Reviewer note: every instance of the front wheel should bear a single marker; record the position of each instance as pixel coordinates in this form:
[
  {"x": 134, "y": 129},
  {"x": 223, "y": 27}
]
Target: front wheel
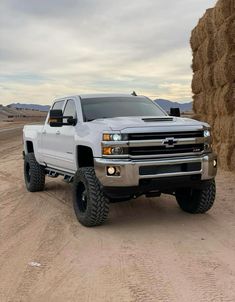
[
  {"x": 34, "y": 174},
  {"x": 197, "y": 201},
  {"x": 90, "y": 204}
]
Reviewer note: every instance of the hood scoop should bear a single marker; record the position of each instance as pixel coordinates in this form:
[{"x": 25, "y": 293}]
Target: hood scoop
[{"x": 157, "y": 119}]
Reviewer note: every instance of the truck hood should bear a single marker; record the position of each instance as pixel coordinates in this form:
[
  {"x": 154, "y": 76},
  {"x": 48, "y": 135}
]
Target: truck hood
[{"x": 155, "y": 123}]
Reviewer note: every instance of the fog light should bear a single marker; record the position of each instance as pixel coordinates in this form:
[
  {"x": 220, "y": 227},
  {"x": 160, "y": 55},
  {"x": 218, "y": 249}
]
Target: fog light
[
  {"x": 111, "y": 170},
  {"x": 215, "y": 163}
]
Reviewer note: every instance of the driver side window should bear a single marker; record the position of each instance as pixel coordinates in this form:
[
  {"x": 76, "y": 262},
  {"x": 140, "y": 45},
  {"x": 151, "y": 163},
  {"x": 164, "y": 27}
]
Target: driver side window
[
  {"x": 58, "y": 105},
  {"x": 70, "y": 109}
]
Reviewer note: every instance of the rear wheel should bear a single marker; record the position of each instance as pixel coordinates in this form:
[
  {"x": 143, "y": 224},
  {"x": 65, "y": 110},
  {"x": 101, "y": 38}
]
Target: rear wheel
[
  {"x": 90, "y": 204},
  {"x": 34, "y": 174},
  {"x": 197, "y": 201}
]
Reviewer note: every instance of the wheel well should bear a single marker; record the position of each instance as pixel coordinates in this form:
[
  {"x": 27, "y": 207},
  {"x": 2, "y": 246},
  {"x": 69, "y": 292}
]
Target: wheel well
[
  {"x": 29, "y": 146},
  {"x": 85, "y": 156}
]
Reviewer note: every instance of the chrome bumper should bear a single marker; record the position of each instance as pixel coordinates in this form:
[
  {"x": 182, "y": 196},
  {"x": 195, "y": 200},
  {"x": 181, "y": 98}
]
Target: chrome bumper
[{"x": 130, "y": 175}]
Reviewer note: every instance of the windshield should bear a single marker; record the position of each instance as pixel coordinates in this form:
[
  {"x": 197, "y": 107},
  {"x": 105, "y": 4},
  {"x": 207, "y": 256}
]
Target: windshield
[{"x": 108, "y": 107}]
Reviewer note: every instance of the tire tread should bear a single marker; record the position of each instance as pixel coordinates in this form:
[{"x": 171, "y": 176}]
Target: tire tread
[
  {"x": 37, "y": 180},
  {"x": 197, "y": 201},
  {"x": 99, "y": 205}
]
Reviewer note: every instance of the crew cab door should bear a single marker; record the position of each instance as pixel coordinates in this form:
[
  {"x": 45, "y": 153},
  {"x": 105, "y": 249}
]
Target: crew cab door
[
  {"x": 49, "y": 139},
  {"x": 58, "y": 143},
  {"x": 67, "y": 138}
]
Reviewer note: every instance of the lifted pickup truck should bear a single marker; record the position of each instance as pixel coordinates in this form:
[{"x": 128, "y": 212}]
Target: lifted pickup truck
[{"x": 118, "y": 147}]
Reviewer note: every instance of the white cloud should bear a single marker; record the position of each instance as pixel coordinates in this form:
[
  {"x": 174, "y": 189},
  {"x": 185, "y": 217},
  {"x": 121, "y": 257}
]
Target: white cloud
[{"x": 50, "y": 48}]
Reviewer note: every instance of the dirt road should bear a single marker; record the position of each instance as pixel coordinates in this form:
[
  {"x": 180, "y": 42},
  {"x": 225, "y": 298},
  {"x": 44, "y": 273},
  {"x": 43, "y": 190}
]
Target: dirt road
[{"x": 147, "y": 251}]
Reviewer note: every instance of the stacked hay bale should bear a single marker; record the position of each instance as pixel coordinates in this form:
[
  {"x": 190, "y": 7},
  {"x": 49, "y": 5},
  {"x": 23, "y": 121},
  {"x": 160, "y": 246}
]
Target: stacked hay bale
[{"x": 213, "y": 84}]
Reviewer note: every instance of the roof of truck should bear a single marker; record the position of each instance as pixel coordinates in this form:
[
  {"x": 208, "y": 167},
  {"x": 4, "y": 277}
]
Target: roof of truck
[
  {"x": 102, "y": 95},
  {"x": 97, "y": 95}
]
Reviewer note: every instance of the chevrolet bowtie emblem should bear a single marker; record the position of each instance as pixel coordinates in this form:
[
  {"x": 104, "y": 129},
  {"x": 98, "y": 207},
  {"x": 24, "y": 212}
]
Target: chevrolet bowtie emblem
[{"x": 169, "y": 142}]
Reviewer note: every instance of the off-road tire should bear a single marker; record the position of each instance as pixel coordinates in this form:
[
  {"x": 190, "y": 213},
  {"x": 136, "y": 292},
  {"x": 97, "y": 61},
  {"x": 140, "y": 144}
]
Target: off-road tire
[
  {"x": 197, "y": 201},
  {"x": 34, "y": 174},
  {"x": 91, "y": 206}
]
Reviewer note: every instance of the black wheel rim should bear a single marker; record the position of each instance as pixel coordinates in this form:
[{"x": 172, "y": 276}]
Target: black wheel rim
[
  {"x": 81, "y": 197},
  {"x": 28, "y": 172}
]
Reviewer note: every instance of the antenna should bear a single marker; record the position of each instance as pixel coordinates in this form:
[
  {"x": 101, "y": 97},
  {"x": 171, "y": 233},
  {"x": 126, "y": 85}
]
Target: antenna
[{"x": 134, "y": 93}]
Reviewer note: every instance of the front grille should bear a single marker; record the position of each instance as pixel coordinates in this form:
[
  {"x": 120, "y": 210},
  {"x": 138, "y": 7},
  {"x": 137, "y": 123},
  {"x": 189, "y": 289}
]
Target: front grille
[
  {"x": 154, "y": 170},
  {"x": 159, "y": 144},
  {"x": 161, "y": 135},
  {"x": 161, "y": 150}
]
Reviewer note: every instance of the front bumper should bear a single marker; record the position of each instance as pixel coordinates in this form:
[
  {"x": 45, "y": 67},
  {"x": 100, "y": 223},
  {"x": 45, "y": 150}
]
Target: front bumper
[{"x": 130, "y": 169}]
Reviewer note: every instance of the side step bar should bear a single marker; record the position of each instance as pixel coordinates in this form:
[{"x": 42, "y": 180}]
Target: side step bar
[{"x": 68, "y": 177}]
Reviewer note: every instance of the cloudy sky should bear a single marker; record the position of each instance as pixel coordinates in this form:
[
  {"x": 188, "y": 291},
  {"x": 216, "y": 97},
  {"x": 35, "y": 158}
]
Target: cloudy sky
[{"x": 50, "y": 48}]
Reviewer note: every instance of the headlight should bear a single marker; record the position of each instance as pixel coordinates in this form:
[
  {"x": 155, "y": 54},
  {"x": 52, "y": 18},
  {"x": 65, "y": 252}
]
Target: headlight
[
  {"x": 112, "y": 151},
  {"x": 117, "y": 150},
  {"x": 114, "y": 137},
  {"x": 117, "y": 137},
  {"x": 207, "y": 133}
]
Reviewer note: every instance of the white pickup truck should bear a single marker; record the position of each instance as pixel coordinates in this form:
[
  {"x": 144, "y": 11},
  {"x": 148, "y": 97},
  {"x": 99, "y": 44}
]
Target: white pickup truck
[{"x": 118, "y": 147}]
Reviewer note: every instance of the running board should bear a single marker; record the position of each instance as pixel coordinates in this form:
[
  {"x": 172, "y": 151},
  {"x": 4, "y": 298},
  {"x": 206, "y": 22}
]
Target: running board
[{"x": 68, "y": 177}]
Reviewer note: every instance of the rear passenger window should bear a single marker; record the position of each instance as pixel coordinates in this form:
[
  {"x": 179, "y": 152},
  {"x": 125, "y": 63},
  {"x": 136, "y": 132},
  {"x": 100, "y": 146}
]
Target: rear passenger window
[
  {"x": 70, "y": 109},
  {"x": 58, "y": 105}
]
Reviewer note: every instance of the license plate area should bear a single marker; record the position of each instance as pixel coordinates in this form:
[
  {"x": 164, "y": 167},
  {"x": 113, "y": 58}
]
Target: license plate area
[{"x": 165, "y": 169}]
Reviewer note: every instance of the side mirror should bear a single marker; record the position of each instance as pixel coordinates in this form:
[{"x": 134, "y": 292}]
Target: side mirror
[
  {"x": 56, "y": 119},
  {"x": 175, "y": 112}
]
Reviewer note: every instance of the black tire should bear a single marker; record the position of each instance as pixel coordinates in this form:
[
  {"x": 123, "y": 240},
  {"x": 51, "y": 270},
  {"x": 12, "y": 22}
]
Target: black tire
[
  {"x": 91, "y": 206},
  {"x": 34, "y": 174},
  {"x": 197, "y": 201}
]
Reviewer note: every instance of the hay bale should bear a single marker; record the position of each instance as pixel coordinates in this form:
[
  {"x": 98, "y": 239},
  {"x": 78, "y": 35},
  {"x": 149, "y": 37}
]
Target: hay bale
[
  {"x": 232, "y": 159},
  {"x": 217, "y": 101},
  {"x": 224, "y": 70},
  {"x": 203, "y": 30},
  {"x": 213, "y": 84},
  {"x": 225, "y": 155},
  {"x": 224, "y": 101},
  {"x": 199, "y": 104},
  {"x": 223, "y": 10},
  {"x": 224, "y": 38},
  {"x": 210, "y": 99},
  {"x": 209, "y": 22},
  {"x": 196, "y": 66},
  {"x": 197, "y": 82},
  {"x": 204, "y": 55},
  {"x": 194, "y": 40},
  {"x": 207, "y": 78},
  {"x": 227, "y": 102},
  {"x": 224, "y": 129}
]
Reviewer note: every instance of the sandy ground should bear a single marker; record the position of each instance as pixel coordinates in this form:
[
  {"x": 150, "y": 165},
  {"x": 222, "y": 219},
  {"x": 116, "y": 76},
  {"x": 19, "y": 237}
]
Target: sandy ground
[{"x": 147, "y": 251}]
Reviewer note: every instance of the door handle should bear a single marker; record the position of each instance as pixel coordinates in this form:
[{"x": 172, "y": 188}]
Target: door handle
[
  {"x": 44, "y": 132},
  {"x": 57, "y": 132}
]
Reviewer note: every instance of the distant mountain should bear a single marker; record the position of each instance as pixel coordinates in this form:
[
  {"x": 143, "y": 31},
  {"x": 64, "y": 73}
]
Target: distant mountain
[
  {"x": 29, "y": 106},
  {"x": 166, "y": 105}
]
